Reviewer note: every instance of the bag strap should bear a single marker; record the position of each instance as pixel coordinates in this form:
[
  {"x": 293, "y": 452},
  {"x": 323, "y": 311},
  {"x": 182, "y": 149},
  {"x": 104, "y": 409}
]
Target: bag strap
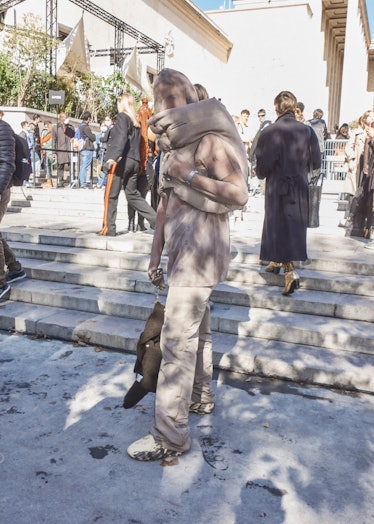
[{"x": 314, "y": 179}]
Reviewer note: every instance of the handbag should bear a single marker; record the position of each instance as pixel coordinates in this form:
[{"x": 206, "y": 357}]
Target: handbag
[
  {"x": 358, "y": 196},
  {"x": 148, "y": 358},
  {"x": 315, "y": 193}
]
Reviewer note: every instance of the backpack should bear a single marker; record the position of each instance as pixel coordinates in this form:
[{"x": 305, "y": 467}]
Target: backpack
[
  {"x": 22, "y": 172},
  {"x": 78, "y": 142}
]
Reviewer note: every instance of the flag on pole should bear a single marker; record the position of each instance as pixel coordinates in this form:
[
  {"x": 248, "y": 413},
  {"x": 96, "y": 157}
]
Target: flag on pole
[
  {"x": 72, "y": 53},
  {"x": 132, "y": 70}
]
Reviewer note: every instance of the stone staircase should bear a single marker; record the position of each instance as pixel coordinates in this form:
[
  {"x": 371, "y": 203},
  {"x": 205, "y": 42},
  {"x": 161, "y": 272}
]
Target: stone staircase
[{"x": 92, "y": 289}]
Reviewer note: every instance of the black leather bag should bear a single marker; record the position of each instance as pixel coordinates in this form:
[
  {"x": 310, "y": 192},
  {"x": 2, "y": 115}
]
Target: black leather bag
[
  {"x": 148, "y": 358},
  {"x": 356, "y": 200},
  {"x": 315, "y": 193}
]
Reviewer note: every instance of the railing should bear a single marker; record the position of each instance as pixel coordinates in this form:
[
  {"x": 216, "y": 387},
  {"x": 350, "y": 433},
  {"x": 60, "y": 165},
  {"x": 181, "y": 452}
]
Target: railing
[{"x": 334, "y": 166}]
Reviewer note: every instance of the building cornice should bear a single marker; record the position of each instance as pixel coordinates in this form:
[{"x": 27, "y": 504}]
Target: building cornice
[
  {"x": 365, "y": 21},
  {"x": 204, "y": 25}
]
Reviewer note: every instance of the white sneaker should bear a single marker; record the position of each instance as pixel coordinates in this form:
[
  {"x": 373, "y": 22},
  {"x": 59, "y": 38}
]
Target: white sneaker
[
  {"x": 146, "y": 449},
  {"x": 202, "y": 408},
  {"x": 4, "y": 292}
]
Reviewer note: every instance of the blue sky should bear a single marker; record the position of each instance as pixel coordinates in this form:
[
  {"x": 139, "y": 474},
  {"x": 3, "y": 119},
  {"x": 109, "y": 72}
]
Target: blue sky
[{"x": 206, "y": 5}]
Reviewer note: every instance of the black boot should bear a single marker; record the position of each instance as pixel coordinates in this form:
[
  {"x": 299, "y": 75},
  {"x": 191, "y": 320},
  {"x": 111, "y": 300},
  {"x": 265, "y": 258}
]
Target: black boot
[
  {"x": 141, "y": 226},
  {"x": 131, "y": 226}
]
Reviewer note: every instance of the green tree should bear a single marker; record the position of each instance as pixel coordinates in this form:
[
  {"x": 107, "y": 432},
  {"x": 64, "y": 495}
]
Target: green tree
[
  {"x": 25, "y": 81},
  {"x": 8, "y": 81},
  {"x": 27, "y": 48},
  {"x": 108, "y": 90}
]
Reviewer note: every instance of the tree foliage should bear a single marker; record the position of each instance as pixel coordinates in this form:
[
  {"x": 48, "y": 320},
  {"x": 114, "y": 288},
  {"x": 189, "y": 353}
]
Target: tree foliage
[
  {"x": 25, "y": 79},
  {"x": 8, "y": 81},
  {"x": 27, "y": 48}
]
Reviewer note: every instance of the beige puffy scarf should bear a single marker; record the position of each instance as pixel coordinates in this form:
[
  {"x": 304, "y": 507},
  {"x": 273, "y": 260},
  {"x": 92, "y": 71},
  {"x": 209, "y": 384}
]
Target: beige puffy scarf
[{"x": 182, "y": 128}]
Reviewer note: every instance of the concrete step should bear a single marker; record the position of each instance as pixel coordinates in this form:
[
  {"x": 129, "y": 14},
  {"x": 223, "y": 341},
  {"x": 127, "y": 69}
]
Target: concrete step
[
  {"x": 249, "y": 355},
  {"x": 139, "y": 242},
  {"x": 133, "y": 254},
  {"x": 95, "y": 289},
  {"x": 324, "y": 258},
  {"x": 285, "y": 323},
  {"x": 134, "y": 278},
  {"x": 94, "y": 212}
]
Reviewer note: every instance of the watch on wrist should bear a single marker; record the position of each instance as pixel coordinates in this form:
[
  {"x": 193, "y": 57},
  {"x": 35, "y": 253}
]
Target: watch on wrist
[{"x": 190, "y": 176}]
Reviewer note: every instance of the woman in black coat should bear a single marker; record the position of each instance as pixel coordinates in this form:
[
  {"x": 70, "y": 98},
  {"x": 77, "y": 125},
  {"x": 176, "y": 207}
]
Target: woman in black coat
[
  {"x": 285, "y": 152},
  {"x": 122, "y": 158}
]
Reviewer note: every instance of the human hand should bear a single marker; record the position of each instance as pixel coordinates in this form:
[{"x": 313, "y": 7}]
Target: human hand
[
  {"x": 107, "y": 165},
  {"x": 177, "y": 165},
  {"x": 156, "y": 276}
]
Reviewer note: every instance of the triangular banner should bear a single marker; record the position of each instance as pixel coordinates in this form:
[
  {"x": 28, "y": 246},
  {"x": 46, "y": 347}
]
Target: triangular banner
[
  {"x": 132, "y": 70},
  {"x": 72, "y": 53}
]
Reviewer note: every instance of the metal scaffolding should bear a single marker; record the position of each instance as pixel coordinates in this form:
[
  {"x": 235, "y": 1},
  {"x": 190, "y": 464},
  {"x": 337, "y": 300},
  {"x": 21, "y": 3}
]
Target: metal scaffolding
[
  {"x": 51, "y": 28},
  {"x": 118, "y": 52},
  {"x": 120, "y": 30},
  {"x": 7, "y": 4}
]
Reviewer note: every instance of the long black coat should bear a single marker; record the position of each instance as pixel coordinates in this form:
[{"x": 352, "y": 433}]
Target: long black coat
[
  {"x": 284, "y": 152},
  {"x": 7, "y": 155},
  {"x": 123, "y": 142}
]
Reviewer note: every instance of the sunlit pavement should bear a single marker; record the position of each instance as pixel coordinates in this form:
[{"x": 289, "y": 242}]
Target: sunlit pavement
[{"x": 271, "y": 452}]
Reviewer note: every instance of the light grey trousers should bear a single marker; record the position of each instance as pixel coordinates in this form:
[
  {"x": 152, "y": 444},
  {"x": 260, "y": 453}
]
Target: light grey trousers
[
  {"x": 7, "y": 257},
  {"x": 186, "y": 368}
]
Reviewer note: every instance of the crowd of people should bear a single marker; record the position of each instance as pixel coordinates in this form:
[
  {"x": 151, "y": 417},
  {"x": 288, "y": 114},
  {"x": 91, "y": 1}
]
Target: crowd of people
[
  {"x": 204, "y": 160},
  {"x": 352, "y": 145},
  {"x": 56, "y": 148},
  {"x": 51, "y": 148}
]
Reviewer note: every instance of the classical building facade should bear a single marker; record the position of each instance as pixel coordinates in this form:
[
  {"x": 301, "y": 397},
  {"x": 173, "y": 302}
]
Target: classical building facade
[{"x": 319, "y": 49}]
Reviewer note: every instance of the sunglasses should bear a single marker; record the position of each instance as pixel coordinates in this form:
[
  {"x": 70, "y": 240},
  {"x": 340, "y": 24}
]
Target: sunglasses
[{"x": 259, "y": 116}]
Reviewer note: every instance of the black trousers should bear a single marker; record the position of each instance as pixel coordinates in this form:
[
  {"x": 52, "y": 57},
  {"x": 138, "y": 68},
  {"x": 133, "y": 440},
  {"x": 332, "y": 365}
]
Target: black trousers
[
  {"x": 142, "y": 187},
  {"x": 128, "y": 181}
]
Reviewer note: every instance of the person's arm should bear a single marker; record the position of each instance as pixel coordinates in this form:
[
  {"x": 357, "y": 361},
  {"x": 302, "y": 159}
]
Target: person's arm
[
  {"x": 219, "y": 176},
  {"x": 315, "y": 151},
  {"x": 89, "y": 133},
  {"x": 158, "y": 243},
  {"x": 45, "y": 138},
  {"x": 350, "y": 148},
  {"x": 105, "y": 136},
  {"x": 117, "y": 139},
  {"x": 7, "y": 156}
]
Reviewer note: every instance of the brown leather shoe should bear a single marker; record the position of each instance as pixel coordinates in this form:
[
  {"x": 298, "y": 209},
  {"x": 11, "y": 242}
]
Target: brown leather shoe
[{"x": 273, "y": 267}]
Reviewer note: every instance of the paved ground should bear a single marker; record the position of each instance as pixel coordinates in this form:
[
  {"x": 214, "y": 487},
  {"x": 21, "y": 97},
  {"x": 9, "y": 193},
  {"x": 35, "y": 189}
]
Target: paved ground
[{"x": 270, "y": 453}]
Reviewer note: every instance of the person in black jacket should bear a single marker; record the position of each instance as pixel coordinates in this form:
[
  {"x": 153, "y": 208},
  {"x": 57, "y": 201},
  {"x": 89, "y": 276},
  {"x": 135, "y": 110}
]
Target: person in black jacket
[
  {"x": 7, "y": 168},
  {"x": 284, "y": 152},
  {"x": 86, "y": 154},
  {"x": 122, "y": 159}
]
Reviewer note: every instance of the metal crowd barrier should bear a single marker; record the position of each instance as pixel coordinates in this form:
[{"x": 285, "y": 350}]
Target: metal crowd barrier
[
  {"x": 334, "y": 166},
  {"x": 74, "y": 166}
]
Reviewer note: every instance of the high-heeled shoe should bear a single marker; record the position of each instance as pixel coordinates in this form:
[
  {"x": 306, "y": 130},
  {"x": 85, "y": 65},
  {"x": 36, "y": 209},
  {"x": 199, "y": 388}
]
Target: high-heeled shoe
[
  {"x": 273, "y": 267},
  {"x": 291, "y": 279}
]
